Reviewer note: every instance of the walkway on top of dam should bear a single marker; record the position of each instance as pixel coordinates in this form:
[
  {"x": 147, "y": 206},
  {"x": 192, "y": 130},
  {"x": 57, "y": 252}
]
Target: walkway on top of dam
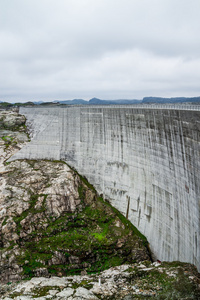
[{"x": 138, "y": 106}]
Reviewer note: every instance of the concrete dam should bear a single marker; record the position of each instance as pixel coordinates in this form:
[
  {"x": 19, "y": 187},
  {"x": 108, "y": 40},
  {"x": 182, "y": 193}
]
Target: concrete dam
[{"x": 145, "y": 161}]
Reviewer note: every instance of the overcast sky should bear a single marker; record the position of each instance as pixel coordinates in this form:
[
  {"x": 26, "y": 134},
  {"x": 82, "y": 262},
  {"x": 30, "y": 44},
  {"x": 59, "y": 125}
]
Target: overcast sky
[{"x": 110, "y": 49}]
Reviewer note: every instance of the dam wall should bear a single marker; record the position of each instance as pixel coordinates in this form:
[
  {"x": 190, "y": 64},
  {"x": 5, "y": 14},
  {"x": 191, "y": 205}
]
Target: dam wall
[{"x": 145, "y": 161}]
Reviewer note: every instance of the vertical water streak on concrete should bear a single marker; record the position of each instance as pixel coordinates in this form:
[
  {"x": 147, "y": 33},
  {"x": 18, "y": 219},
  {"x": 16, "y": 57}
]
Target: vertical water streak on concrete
[{"x": 128, "y": 205}]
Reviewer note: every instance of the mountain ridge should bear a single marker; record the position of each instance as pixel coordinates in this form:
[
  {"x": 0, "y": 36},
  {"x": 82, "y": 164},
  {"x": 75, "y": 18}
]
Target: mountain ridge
[{"x": 97, "y": 101}]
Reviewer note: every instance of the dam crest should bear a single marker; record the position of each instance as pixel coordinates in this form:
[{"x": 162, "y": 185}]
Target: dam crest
[{"x": 146, "y": 161}]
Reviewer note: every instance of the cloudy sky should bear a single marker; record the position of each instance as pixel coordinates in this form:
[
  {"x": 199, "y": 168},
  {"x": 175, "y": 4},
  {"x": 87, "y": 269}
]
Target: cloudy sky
[{"x": 110, "y": 49}]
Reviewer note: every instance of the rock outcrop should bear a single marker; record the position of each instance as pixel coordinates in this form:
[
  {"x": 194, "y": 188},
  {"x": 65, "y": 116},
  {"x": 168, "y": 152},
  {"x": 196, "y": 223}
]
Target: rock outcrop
[
  {"x": 136, "y": 281},
  {"x": 54, "y": 223},
  {"x": 12, "y": 134}
]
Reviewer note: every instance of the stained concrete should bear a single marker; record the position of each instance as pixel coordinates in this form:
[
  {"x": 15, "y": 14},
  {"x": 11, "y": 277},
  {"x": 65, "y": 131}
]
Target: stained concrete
[{"x": 147, "y": 162}]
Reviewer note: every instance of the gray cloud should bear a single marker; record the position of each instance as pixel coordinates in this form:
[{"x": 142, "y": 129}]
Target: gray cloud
[{"x": 109, "y": 49}]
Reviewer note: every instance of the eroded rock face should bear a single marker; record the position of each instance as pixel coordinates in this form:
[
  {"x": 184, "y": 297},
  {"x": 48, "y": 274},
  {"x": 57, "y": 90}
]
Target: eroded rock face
[
  {"x": 12, "y": 134},
  {"x": 52, "y": 222}
]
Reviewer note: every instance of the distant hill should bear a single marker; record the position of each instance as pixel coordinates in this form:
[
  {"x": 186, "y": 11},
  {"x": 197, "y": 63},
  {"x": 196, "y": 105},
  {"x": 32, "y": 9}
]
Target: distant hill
[
  {"x": 97, "y": 101},
  {"x": 170, "y": 100},
  {"x": 73, "y": 102},
  {"x": 146, "y": 100},
  {"x": 38, "y": 102}
]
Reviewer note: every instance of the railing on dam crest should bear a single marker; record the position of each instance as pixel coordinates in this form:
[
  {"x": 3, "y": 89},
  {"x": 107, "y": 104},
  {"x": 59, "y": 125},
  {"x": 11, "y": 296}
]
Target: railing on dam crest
[{"x": 145, "y": 106}]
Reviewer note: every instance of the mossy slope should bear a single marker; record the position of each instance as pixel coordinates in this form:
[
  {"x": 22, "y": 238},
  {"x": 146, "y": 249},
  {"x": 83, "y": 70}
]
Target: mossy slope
[{"x": 63, "y": 226}]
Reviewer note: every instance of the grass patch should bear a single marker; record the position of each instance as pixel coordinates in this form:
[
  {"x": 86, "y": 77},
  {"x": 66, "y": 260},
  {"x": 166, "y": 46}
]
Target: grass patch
[{"x": 5, "y": 221}]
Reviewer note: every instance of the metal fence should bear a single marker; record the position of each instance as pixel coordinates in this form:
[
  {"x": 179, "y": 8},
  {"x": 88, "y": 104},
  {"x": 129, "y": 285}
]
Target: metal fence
[
  {"x": 145, "y": 106},
  {"x": 132, "y": 106}
]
